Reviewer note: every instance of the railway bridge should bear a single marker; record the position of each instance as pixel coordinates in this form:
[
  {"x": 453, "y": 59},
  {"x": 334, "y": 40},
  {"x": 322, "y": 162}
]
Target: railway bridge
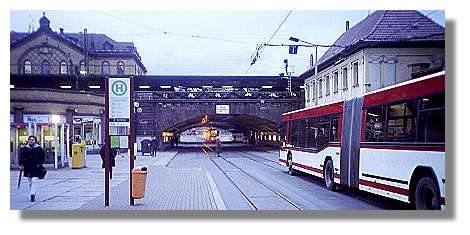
[
  {"x": 167, "y": 104},
  {"x": 244, "y": 104}
]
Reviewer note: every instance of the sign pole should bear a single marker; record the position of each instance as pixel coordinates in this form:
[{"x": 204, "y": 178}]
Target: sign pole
[
  {"x": 107, "y": 144},
  {"x": 131, "y": 139}
]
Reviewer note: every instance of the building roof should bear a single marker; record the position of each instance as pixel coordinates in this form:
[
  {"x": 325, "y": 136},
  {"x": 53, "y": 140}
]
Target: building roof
[
  {"x": 385, "y": 27},
  {"x": 95, "y": 43}
]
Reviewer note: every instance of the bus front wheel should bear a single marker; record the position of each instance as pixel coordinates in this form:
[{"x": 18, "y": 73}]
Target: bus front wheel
[{"x": 427, "y": 195}]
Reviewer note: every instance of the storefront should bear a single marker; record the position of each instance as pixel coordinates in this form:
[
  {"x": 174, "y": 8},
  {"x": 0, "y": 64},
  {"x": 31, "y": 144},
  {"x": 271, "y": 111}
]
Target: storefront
[
  {"x": 87, "y": 128},
  {"x": 51, "y": 132}
]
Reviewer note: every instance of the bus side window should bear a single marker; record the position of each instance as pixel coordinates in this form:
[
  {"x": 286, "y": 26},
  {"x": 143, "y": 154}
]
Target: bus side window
[
  {"x": 375, "y": 124},
  {"x": 431, "y": 123},
  {"x": 401, "y": 122},
  {"x": 334, "y": 129},
  {"x": 312, "y": 132}
]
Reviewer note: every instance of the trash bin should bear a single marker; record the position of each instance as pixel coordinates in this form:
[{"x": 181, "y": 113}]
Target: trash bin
[
  {"x": 139, "y": 179},
  {"x": 78, "y": 156}
]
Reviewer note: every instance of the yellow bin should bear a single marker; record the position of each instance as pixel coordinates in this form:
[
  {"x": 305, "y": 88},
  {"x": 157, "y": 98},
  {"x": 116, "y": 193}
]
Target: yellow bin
[
  {"x": 78, "y": 155},
  {"x": 139, "y": 179}
]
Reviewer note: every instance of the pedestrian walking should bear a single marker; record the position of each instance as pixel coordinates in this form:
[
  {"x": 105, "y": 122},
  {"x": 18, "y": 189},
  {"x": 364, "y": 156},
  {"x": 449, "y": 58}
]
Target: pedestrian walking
[
  {"x": 218, "y": 146},
  {"x": 112, "y": 158},
  {"x": 31, "y": 162}
]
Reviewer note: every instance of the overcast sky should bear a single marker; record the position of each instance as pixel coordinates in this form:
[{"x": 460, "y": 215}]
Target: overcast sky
[{"x": 208, "y": 42}]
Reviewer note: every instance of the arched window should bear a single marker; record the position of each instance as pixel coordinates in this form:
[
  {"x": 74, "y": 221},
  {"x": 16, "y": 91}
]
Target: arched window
[
  {"x": 27, "y": 67},
  {"x": 82, "y": 67},
  {"x": 63, "y": 67},
  {"x": 105, "y": 68},
  {"x": 120, "y": 68},
  {"x": 45, "y": 67}
]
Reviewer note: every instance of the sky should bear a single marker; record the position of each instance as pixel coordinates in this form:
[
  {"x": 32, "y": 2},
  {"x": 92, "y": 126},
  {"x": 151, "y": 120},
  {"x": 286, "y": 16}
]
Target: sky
[{"x": 215, "y": 42}]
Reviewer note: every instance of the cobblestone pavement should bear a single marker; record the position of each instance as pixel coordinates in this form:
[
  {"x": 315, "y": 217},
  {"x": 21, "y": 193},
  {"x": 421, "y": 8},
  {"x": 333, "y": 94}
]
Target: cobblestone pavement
[{"x": 82, "y": 189}]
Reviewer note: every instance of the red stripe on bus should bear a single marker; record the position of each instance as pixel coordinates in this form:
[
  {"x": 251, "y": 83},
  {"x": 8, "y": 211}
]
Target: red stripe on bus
[
  {"x": 317, "y": 111},
  {"x": 410, "y": 91},
  {"x": 434, "y": 148},
  {"x": 439, "y": 148},
  {"x": 384, "y": 187}
]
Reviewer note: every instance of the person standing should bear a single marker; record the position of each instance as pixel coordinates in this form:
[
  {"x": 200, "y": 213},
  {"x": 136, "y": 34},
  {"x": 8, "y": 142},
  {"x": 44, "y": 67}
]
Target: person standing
[
  {"x": 31, "y": 162},
  {"x": 218, "y": 146},
  {"x": 112, "y": 158},
  {"x": 154, "y": 146}
]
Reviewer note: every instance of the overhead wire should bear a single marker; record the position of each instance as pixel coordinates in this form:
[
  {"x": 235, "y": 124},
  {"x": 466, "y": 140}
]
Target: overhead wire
[
  {"x": 260, "y": 48},
  {"x": 164, "y": 32}
]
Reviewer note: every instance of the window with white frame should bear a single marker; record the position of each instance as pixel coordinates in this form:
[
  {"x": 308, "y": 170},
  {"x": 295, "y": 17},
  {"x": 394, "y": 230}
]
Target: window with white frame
[
  {"x": 105, "y": 68},
  {"x": 63, "y": 67},
  {"x": 307, "y": 92},
  {"x": 320, "y": 88},
  {"x": 355, "y": 74},
  {"x": 327, "y": 85},
  {"x": 82, "y": 67},
  {"x": 344, "y": 75},
  {"x": 335, "y": 82},
  {"x": 120, "y": 68},
  {"x": 27, "y": 67}
]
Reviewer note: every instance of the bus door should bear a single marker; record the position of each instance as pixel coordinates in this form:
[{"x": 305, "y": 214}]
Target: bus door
[{"x": 350, "y": 141}]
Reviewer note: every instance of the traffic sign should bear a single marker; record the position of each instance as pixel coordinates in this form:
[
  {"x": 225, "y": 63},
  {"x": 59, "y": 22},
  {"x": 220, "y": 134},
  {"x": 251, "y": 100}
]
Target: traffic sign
[{"x": 119, "y": 102}]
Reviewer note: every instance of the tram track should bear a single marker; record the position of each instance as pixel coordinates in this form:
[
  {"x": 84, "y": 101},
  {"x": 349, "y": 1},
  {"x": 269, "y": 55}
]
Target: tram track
[
  {"x": 362, "y": 196},
  {"x": 252, "y": 204}
]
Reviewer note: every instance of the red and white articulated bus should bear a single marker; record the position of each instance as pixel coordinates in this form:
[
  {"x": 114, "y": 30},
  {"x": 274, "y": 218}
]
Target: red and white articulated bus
[{"x": 389, "y": 142}]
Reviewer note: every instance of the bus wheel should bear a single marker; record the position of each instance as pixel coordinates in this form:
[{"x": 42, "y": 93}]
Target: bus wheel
[
  {"x": 290, "y": 164},
  {"x": 328, "y": 176},
  {"x": 427, "y": 195}
]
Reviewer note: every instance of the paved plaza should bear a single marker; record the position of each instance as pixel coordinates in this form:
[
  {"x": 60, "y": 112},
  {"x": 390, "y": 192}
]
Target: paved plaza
[{"x": 83, "y": 189}]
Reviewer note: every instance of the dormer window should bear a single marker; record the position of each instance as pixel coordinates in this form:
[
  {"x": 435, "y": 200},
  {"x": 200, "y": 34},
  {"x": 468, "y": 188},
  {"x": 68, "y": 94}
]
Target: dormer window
[{"x": 107, "y": 46}]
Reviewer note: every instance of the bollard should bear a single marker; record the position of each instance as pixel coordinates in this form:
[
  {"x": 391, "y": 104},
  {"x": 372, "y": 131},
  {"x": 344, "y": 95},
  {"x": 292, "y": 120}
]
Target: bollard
[{"x": 139, "y": 179}]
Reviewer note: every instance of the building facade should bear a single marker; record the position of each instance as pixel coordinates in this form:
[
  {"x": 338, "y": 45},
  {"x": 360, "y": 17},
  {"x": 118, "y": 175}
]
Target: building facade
[
  {"x": 386, "y": 48},
  {"x": 59, "y": 115}
]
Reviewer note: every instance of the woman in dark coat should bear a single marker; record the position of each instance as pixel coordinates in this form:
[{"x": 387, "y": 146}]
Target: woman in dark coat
[{"x": 32, "y": 158}]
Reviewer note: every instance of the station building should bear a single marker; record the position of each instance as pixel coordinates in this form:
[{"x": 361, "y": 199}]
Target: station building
[{"x": 60, "y": 114}]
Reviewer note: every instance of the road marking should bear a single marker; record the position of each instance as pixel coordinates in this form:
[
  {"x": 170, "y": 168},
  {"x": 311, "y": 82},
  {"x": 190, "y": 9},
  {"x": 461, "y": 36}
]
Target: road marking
[{"x": 219, "y": 202}]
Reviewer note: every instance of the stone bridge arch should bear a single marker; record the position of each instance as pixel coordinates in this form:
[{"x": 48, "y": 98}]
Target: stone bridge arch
[{"x": 176, "y": 115}]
